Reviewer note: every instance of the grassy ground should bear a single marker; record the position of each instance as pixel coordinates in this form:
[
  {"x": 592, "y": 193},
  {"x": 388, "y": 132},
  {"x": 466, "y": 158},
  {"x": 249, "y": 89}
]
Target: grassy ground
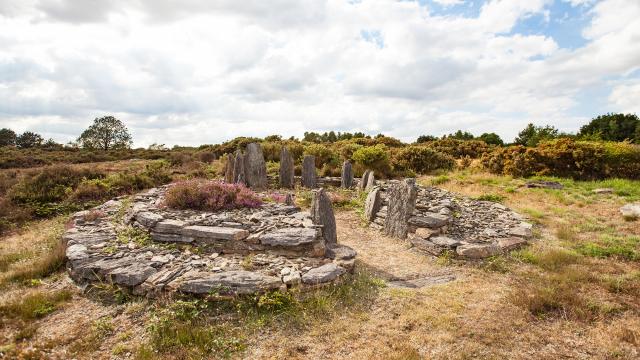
[{"x": 573, "y": 293}]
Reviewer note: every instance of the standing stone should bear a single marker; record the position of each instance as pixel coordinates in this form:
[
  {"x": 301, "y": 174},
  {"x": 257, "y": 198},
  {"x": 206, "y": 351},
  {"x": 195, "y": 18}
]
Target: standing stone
[
  {"x": 309, "y": 179},
  {"x": 238, "y": 168},
  {"x": 371, "y": 181},
  {"x": 402, "y": 200},
  {"x": 255, "y": 169},
  {"x": 363, "y": 182},
  {"x": 372, "y": 204},
  {"x": 288, "y": 200},
  {"x": 286, "y": 169},
  {"x": 322, "y": 214},
  {"x": 347, "y": 175},
  {"x": 228, "y": 170}
]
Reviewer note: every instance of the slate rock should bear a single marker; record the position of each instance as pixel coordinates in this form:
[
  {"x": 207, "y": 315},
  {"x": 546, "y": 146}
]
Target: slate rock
[
  {"x": 372, "y": 204},
  {"x": 402, "y": 199},
  {"x": 289, "y": 237},
  {"x": 229, "y": 282},
  {"x": 478, "y": 251},
  {"x": 286, "y": 172},
  {"x": 346, "y": 180},
  {"x": 309, "y": 177},
  {"x": 322, "y": 214},
  {"x": 430, "y": 220},
  {"x": 132, "y": 275},
  {"x": 323, "y": 274},
  {"x": 215, "y": 232},
  {"x": 255, "y": 168}
]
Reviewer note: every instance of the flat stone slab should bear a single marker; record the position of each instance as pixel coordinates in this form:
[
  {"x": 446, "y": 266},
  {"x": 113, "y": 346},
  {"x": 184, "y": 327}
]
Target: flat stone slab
[
  {"x": 148, "y": 218},
  {"x": 323, "y": 274},
  {"x": 422, "y": 281},
  {"x": 478, "y": 251},
  {"x": 430, "y": 220},
  {"x": 215, "y": 232},
  {"x": 169, "y": 226},
  {"x": 340, "y": 252},
  {"x": 163, "y": 237},
  {"x": 132, "y": 275},
  {"x": 289, "y": 237},
  {"x": 230, "y": 282},
  {"x": 630, "y": 211},
  {"x": 512, "y": 243}
]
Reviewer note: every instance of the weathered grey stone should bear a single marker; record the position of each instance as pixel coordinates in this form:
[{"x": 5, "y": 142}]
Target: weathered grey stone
[
  {"x": 478, "y": 251},
  {"x": 522, "y": 230},
  {"x": 322, "y": 214},
  {"x": 95, "y": 269},
  {"x": 543, "y": 184},
  {"x": 602, "y": 191},
  {"x": 286, "y": 173},
  {"x": 238, "y": 168},
  {"x": 402, "y": 199},
  {"x": 444, "y": 241},
  {"x": 371, "y": 181},
  {"x": 427, "y": 246},
  {"x": 77, "y": 252},
  {"x": 309, "y": 177},
  {"x": 255, "y": 169},
  {"x": 364, "y": 180},
  {"x": 512, "y": 243},
  {"x": 372, "y": 204},
  {"x": 166, "y": 237},
  {"x": 322, "y": 274},
  {"x": 340, "y": 252},
  {"x": 148, "y": 219},
  {"x": 169, "y": 226},
  {"x": 228, "y": 170},
  {"x": 430, "y": 220},
  {"x": 229, "y": 282},
  {"x": 215, "y": 232},
  {"x": 288, "y": 200},
  {"x": 426, "y": 233},
  {"x": 75, "y": 237},
  {"x": 131, "y": 275},
  {"x": 290, "y": 276},
  {"x": 347, "y": 175},
  {"x": 630, "y": 211},
  {"x": 289, "y": 237}
]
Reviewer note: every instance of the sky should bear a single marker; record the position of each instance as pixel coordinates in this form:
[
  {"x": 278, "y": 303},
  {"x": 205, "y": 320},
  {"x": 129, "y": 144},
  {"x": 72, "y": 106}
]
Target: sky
[{"x": 197, "y": 72}]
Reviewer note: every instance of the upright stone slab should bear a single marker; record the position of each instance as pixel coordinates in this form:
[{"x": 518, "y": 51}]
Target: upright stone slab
[
  {"x": 363, "y": 182},
  {"x": 322, "y": 214},
  {"x": 255, "y": 169},
  {"x": 347, "y": 175},
  {"x": 371, "y": 181},
  {"x": 238, "y": 168},
  {"x": 402, "y": 200},
  {"x": 286, "y": 169},
  {"x": 372, "y": 204},
  {"x": 309, "y": 178},
  {"x": 228, "y": 170}
]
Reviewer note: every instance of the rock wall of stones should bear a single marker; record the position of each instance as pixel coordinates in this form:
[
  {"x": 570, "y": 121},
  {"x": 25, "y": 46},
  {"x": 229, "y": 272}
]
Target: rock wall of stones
[
  {"x": 236, "y": 252},
  {"x": 441, "y": 221}
]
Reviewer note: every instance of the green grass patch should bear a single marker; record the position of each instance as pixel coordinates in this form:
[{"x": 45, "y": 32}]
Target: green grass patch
[
  {"x": 35, "y": 305},
  {"x": 491, "y": 197},
  {"x": 551, "y": 259},
  {"x": 619, "y": 246}
]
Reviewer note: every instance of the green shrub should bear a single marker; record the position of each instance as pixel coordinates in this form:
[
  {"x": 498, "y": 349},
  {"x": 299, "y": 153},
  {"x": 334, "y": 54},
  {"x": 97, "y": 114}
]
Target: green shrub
[
  {"x": 460, "y": 148},
  {"x": 374, "y": 157},
  {"x": 322, "y": 153},
  {"x": 421, "y": 160}
]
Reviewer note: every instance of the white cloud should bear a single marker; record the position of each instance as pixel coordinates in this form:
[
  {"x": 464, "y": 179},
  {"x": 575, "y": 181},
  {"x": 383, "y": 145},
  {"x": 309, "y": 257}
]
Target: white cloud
[
  {"x": 626, "y": 97},
  {"x": 201, "y": 72}
]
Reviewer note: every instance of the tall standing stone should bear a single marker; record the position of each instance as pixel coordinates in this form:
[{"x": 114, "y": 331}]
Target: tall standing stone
[
  {"x": 309, "y": 178},
  {"x": 228, "y": 169},
  {"x": 363, "y": 182},
  {"x": 322, "y": 214},
  {"x": 371, "y": 181},
  {"x": 238, "y": 168},
  {"x": 255, "y": 169},
  {"x": 286, "y": 169},
  {"x": 372, "y": 204},
  {"x": 347, "y": 175},
  {"x": 402, "y": 200}
]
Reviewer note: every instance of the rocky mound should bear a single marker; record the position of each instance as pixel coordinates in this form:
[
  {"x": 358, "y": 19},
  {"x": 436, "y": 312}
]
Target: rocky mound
[
  {"x": 152, "y": 249},
  {"x": 435, "y": 220}
]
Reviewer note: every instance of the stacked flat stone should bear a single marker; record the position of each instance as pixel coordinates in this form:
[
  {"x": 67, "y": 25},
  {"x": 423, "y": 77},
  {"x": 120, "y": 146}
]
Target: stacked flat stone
[
  {"x": 286, "y": 173},
  {"x": 286, "y": 247},
  {"x": 309, "y": 177},
  {"x": 441, "y": 221}
]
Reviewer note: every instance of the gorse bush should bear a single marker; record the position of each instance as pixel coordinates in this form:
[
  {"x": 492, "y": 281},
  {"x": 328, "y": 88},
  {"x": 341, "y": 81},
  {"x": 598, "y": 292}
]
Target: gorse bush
[
  {"x": 582, "y": 160},
  {"x": 210, "y": 195},
  {"x": 373, "y": 157},
  {"x": 461, "y": 148},
  {"x": 421, "y": 160}
]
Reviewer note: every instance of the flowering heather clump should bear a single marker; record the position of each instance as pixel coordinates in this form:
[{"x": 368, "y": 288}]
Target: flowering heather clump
[
  {"x": 278, "y": 198},
  {"x": 210, "y": 195}
]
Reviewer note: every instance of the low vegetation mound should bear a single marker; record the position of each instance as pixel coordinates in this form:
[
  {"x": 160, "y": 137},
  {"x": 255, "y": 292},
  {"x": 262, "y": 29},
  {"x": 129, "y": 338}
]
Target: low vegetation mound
[{"x": 210, "y": 196}]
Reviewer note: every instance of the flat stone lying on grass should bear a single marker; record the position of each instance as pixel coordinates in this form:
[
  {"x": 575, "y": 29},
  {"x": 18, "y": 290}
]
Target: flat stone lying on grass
[
  {"x": 543, "y": 184},
  {"x": 512, "y": 243},
  {"x": 630, "y": 211},
  {"x": 602, "y": 191},
  {"x": 478, "y": 251},
  {"x": 323, "y": 274}
]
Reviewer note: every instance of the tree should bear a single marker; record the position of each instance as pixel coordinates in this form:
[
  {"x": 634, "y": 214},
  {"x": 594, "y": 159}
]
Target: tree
[
  {"x": 460, "y": 135},
  {"x": 29, "y": 139},
  {"x": 532, "y": 135},
  {"x": 491, "y": 139},
  {"x": 106, "y": 133},
  {"x": 7, "y": 137},
  {"x": 612, "y": 127},
  {"x": 426, "y": 138}
]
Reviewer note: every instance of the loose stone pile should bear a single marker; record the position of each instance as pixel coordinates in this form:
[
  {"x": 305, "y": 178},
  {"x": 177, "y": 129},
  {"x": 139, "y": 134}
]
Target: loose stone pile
[
  {"x": 436, "y": 220},
  {"x": 232, "y": 252}
]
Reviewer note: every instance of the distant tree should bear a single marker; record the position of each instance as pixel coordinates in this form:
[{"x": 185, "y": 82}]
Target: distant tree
[
  {"x": 273, "y": 138},
  {"x": 311, "y": 137},
  {"x": 51, "y": 144},
  {"x": 156, "y": 146},
  {"x": 532, "y": 135},
  {"x": 426, "y": 138},
  {"x": 7, "y": 137},
  {"x": 106, "y": 133},
  {"x": 612, "y": 127},
  {"x": 359, "y": 135},
  {"x": 331, "y": 137},
  {"x": 460, "y": 135},
  {"x": 491, "y": 138},
  {"x": 28, "y": 140}
]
